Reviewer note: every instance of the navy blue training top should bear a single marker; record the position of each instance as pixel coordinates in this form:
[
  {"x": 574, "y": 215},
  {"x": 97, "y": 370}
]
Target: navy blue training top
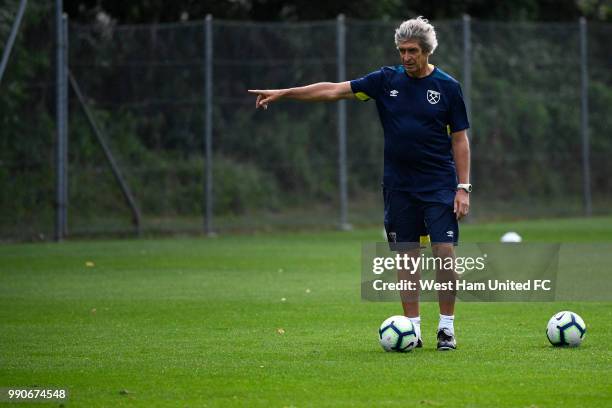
[{"x": 417, "y": 116}]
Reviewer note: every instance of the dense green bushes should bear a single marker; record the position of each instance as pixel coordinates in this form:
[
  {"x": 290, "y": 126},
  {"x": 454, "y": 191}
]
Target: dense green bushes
[{"x": 145, "y": 85}]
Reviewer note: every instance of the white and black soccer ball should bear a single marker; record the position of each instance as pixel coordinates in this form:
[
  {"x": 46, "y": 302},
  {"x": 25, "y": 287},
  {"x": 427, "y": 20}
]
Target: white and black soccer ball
[
  {"x": 397, "y": 333},
  {"x": 565, "y": 329}
]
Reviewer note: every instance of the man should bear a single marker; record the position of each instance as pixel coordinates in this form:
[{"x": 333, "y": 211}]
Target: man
[{"x": 427, "y": 154}]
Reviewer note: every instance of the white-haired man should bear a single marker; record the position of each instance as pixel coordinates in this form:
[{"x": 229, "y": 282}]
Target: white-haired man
[{"x": 426, "y": 154}]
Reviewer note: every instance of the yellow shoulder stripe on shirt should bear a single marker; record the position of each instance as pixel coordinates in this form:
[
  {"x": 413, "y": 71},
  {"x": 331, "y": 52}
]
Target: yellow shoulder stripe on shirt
[{"x": 362, "y": 96}]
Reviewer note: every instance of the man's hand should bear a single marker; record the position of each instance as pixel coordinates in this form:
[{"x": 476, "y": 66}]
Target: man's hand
[
  {"x": 462, "y": 203},
  {"x": 461, "y": 154},
  {"x": 265, "y": 96}
]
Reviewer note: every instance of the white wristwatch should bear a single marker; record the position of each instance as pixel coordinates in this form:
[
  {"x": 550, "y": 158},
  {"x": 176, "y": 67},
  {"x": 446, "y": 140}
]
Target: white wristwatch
[{"x": 466, "y": 187}]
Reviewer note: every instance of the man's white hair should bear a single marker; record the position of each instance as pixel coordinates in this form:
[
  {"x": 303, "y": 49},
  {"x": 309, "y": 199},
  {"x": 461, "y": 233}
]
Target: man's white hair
[{"x": 417, "y": 29}]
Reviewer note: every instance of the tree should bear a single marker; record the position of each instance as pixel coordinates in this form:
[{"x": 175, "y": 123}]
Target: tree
[{"x": 152, "y": 11}]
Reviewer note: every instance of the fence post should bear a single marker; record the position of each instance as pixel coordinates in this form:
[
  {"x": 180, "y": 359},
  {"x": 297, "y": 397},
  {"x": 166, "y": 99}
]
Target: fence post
[
  {"x": 61, "y": 113},
  {"x": 342, "y": 160},
  {"x": 467, "y": 64},
  {"x": 208, "y": 118},
  {"x": 584, "y": 120},
  {"x": 11, "y": 40},
  {"x": 467, "y": 89},
  {"x": 66, "y": 110}
]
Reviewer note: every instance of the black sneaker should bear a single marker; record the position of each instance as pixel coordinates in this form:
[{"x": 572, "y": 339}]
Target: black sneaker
[
  {"x": 446, "y": 340},
  {"x": 419, "y": 343}
]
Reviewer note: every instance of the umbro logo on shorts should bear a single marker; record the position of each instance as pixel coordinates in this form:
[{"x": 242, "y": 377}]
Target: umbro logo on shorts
[
  {"x": 394, "y": 92},
  {"x": 450, "y": 234}
]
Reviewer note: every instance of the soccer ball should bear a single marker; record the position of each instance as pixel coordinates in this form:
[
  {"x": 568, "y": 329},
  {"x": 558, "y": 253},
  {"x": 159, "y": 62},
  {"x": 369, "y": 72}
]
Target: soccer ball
[
  {"x": 397, "y": 333},
  {"x": 566, "y": 329}
]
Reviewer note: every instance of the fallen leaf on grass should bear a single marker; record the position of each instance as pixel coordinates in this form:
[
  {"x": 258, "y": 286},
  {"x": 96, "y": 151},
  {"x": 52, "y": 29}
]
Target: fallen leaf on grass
[{"x": 430, "y": 403}]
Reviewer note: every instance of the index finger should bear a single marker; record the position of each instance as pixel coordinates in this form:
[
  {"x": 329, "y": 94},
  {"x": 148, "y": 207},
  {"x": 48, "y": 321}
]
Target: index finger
[{"x": 255, "y": 91}]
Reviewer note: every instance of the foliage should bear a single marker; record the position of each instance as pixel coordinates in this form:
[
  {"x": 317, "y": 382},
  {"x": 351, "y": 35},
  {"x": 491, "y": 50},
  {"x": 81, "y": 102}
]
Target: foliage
[
  {"x": 295, "y": 10},
  {"x": 145, "y": 85}
]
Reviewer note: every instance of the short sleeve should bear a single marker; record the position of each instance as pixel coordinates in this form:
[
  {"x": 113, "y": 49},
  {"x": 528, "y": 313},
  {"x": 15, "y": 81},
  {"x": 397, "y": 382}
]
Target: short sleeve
[
  {"x": 458, "y": 115},
  {"x": 369, "y": 86}
]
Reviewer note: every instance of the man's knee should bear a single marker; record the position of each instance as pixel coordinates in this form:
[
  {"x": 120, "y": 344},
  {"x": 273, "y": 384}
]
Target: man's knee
[{"x": 443, "y": 250}]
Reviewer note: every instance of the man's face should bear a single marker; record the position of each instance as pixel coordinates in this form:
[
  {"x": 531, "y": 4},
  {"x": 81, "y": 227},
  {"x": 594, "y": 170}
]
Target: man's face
[{"x": 412, "y": 56}]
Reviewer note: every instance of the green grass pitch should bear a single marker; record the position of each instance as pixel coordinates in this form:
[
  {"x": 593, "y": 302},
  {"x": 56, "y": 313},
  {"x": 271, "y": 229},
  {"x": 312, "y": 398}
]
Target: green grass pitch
[{"x": 276, "y": 320}]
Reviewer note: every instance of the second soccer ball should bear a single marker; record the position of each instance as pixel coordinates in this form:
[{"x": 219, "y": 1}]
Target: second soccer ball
[{"x": 565, "y": 329}]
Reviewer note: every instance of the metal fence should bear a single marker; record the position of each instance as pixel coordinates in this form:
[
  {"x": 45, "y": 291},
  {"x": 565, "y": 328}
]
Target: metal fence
[{"x": 167, "y": 105}]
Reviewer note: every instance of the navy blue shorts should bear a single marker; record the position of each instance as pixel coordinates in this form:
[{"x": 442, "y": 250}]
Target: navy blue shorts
[{"x": 408, "y": 216}]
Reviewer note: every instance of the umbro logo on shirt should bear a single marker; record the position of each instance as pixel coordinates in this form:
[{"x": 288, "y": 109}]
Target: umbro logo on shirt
[{"x": 393, "y": 93}]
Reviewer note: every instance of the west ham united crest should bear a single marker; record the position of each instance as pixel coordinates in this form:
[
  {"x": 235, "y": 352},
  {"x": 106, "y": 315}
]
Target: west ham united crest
[{"x": 433, "y": 97}]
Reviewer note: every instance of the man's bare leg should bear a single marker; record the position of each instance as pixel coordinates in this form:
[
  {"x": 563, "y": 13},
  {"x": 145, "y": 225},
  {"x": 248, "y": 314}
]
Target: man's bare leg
[
  {"x": 410, "y": 298},
  {"x": 446, "y": 299}
]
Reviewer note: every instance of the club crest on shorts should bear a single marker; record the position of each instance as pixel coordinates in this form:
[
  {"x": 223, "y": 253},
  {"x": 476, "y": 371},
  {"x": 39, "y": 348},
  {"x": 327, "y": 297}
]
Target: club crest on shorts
[{"x": 433, "y": 97}]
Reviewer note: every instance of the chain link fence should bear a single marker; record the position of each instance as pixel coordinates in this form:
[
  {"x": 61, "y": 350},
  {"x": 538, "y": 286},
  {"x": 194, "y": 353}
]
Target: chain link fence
[
  {"x": 27, "y": 124},
  {"x": 145, "y": 89}
]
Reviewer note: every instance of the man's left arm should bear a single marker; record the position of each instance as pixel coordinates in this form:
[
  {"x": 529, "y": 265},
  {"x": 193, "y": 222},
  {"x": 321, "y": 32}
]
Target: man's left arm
[{"x": 461, "y": 155}]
